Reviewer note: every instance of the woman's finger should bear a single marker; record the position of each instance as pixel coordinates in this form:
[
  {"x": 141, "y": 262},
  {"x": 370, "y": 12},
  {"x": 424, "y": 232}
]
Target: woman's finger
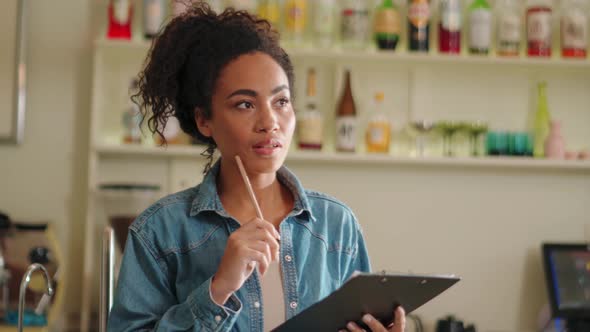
[
  {"x": 264, "y": 248},
  {"x": 263, "y": 236},
  {"x": 373, "y": 323},
  {"x": 352, "y": 327},
  {"x": 260, "y": 223},
  {"x": 400, "y": 320}
]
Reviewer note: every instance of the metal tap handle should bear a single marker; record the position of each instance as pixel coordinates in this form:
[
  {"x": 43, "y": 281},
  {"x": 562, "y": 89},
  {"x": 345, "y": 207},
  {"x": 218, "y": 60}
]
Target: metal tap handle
[{"x": 23, "y": 289}]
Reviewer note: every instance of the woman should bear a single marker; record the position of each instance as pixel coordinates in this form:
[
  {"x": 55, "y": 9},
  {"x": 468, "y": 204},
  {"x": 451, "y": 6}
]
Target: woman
[{"x": 190, "y": 258}]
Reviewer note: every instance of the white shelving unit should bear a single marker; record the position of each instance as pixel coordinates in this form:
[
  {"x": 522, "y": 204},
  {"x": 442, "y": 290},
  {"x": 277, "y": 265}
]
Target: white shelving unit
[{"x": 497, "y": 90}]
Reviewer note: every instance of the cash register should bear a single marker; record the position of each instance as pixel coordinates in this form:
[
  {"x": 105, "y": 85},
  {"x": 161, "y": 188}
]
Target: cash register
[{"x": 567, "y": 275}]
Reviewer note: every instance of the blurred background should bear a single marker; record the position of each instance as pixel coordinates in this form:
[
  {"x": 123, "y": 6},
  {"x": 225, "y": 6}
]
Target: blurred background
[{"x": 458, "y": 131}]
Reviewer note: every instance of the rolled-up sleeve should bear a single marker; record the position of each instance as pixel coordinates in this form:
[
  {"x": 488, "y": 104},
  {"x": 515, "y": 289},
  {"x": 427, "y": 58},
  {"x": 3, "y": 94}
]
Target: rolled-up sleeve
[{"x": 144, "y": 300}]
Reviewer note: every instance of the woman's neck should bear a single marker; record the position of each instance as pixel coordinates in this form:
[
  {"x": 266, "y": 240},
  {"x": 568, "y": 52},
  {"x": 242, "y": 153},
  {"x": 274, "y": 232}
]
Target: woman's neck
[{"x": 272, "y": 197}]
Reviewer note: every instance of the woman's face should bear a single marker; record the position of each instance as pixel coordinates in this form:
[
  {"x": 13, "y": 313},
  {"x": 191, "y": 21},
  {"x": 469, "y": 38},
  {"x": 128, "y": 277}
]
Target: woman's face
[{"x": 252, "y": 115}]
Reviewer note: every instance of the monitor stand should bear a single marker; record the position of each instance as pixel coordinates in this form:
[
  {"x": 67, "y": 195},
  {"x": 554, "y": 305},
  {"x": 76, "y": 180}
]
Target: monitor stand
[{"x": 578, "y": 325}]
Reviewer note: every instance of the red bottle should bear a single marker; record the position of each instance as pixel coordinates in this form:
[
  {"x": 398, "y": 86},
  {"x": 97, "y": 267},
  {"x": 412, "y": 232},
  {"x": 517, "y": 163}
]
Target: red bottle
[
  {"x": 538, "y": 21},
  {"x": 574, "y": 30},
  {"x": 449, "y": 27},
  {"x": 120, "y": 13}
]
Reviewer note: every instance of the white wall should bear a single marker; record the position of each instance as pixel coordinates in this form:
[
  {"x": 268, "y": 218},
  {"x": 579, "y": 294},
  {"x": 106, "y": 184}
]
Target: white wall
[{"x": 44, "y": 178}]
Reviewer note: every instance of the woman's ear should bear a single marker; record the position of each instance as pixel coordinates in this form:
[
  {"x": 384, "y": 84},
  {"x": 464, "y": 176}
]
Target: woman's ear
[{"x": 203, "y": 124}]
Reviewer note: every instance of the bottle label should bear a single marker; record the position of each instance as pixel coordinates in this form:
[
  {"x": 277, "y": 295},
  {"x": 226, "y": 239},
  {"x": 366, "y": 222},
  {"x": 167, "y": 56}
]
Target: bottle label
[
  {"x": 153, "y": 16},
  {"x": 419, "y": 13},
  {"x": 295, "y": 20},
  {"x": 354, "y": 24},
  {"x": 509, "y": 28},
  {"x": 346, "y": 133},
  {"x": 387, "y": 21},
  {"x": 324, "y": 18},
  {"x": 574, "y": 30},
  {"x": 121, "y": 11},
  {"x": 481, "y": 29},
  {"x": 539, "y": 28},
  {"x": 310, "y": 128},
  {"x": 451, "y": 15},
  {"x": 378, "y": 134}
]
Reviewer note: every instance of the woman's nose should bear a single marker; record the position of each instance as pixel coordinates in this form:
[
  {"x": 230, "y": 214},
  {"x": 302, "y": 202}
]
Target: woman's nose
[{"x": 267, "y": 120}]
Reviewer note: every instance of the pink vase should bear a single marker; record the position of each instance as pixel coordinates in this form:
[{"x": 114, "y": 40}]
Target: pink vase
[{"x": 555, "y": 144}]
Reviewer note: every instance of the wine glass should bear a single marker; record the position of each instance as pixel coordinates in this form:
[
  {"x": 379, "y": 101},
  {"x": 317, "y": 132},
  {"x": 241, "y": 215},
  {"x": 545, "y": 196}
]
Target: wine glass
[
  {"x": 476, "y": 129},
  {"x": 448, "y": 128},
  {"x": 421, "y": 128}
]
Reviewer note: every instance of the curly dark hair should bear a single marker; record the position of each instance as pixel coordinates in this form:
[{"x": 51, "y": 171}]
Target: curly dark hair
[{"x": 184, "y": 62}]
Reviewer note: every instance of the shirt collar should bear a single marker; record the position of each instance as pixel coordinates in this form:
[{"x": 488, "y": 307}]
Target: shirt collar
[{"x": 207, "y": 198}]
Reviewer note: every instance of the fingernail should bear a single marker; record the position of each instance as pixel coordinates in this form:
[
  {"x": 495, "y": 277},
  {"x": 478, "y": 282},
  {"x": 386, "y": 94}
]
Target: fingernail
[
  {"x": 367, "y": 318},
  {"x": 350, "y": 326}
]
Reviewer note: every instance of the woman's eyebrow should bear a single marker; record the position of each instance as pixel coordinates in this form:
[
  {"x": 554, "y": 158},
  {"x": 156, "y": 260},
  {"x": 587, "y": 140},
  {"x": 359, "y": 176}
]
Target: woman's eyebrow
[
  {"x": 246, "y": 92},
  {"x": 279, "y": 89}
]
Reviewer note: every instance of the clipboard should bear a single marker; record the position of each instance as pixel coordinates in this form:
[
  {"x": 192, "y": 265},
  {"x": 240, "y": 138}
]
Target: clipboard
[{"x": 377, "y": 294}]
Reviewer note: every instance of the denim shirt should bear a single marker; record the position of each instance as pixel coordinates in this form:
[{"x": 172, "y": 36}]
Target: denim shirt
[{"x": 175, "y": 246}]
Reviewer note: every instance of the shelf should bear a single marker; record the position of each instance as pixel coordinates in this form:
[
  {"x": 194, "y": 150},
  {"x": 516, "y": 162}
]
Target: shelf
[
  {"x": 367, "y": 159},
  {"x": 143, "y": 46}
]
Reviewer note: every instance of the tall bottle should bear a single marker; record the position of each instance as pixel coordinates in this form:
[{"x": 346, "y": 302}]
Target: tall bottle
[
  {"x": 480, "y": 27},
  {"x": 387, "y": 26},
  {"x": 295, "y": 20},
  {"x": 354, "y": 24},
  {"x": 574, "y": 29},
  {"x": 508, "y": 28},
  {"x": 538, "y": 21},
  {"x": 346, "y": 120},
  {"x": 270, "y": 10},
  {"x": 153, "y": 17},
  {"x": 378, "y": 132},
  {"x": 419, "y": 25},
  {"x": 324, "y": 22},
  {"x": 310, "y": 124},
  {"x": 120, "y": 14},
  {"x": 449, "y": 28},
  {"x": 542, "y": 122}
]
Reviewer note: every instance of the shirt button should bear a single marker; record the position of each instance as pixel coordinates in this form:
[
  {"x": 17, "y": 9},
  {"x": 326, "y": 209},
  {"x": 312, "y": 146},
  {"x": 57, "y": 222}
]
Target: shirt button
[
  {"x": 257, "y": 304},
  {"x": 218, "y": 318},
  {"x": 293, "y": 305},
  {"x": 288, "y": 258}
]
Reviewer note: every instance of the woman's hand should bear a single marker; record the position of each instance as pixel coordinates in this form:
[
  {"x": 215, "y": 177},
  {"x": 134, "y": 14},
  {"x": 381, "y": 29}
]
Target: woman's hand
[
  {"x": 374, "y": 325},
  {"x": 253, "y": 244}
]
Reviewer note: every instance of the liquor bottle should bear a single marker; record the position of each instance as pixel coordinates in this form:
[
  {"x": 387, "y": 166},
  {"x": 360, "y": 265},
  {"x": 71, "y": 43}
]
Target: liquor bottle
[
  {"x": 270, "y": 11},
  {"x": 480, "y": 27},
  {"x": 538, "y": 21},
  {"x": 508, "y": 28},
  {"x": 419, "y": 25},
  {"x": 131, "y": 118},
  {"x": 324, "y": 23},
  {"x": 295, "y": 21},
  {"x": 354, "y": 24},
  {"x": 449, "y": 27},
  {"x": 387, "y": 25},
  {"x": 310, "y": 124},
  {"x": 378, "y": 132},
  {"x": 346, "y": 120},
  {"x": 120, "y": 13},
  {"x": 542, "y": 121},
  {"x": 153, "y": 17},
  {"x": 574, "y": 29}
]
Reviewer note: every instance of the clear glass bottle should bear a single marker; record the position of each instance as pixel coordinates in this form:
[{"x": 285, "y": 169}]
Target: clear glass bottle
[
  {"x": 324, "y": 22},
  {"x": 508, "y": 28},
  {"x": 153, "y": 17},
  {"x": 539, "y": 28},
  {"x": 378, "y": 133},
  {"x": 480, "y": 27},
  {"x": 449, "y": 27},
  {"x": 574, "y": 29},
  {"x": 309, "y": 122},
  {"x": 354, "y": 24},
  {"x": 295, "y": 17}
]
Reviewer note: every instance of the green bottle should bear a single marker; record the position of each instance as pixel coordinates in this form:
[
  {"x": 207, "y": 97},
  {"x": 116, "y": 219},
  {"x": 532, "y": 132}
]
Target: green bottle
[
  {"x": 387, "y": 25},
  {"x": 480, "y": 27},
  {"x": 542, "y": 119}
]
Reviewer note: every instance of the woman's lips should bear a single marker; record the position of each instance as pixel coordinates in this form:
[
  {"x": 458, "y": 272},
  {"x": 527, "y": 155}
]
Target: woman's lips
[{"x": 267, "y": 147}]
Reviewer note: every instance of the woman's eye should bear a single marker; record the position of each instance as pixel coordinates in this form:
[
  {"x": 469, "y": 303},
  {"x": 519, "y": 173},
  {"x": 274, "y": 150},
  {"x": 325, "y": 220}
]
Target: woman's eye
[
  {"x": 244, "y": 105},
  {"x": 283, "y": 102}
]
